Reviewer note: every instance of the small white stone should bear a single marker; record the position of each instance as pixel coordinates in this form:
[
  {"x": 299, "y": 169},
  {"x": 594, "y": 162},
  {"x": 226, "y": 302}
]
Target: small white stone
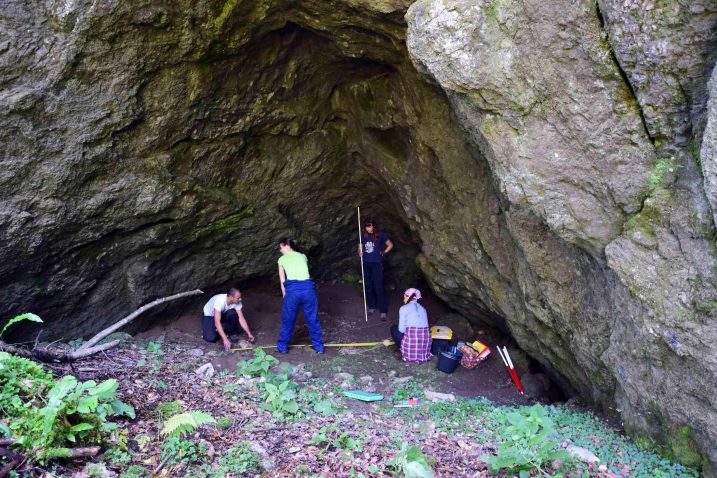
[
  {"x": 206, "y": 370},
  {"x": 583, "y": 454}
]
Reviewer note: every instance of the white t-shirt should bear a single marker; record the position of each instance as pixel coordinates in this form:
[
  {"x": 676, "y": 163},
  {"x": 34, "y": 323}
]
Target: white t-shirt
[{"x": 219, "y": 302}]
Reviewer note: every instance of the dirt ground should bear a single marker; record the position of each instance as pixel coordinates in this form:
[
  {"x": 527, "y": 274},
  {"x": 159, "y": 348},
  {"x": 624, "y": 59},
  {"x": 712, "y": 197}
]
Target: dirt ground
[{"x": 341, "y": 312}]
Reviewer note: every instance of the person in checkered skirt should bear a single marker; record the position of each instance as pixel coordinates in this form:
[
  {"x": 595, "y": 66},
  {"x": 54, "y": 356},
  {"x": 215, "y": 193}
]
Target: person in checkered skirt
[{"x": 412, "y": 333}]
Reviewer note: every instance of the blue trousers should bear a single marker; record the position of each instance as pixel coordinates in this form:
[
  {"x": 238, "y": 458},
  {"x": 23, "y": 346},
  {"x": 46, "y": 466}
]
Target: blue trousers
[
  {"x": 373, "y": 275},
  {"x": 300, "y": 293}
]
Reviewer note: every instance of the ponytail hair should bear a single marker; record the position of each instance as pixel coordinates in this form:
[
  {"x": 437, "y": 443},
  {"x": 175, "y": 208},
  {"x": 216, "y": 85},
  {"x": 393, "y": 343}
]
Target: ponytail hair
[{"x": 291, "y": 243}]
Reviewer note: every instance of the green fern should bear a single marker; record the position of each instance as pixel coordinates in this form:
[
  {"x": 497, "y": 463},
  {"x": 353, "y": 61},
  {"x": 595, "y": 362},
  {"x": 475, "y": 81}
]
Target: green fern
[
  {"x": 20, "y": 318},
  {"x": 166, "y": 409},
  {"x": 178, "y": 425}
]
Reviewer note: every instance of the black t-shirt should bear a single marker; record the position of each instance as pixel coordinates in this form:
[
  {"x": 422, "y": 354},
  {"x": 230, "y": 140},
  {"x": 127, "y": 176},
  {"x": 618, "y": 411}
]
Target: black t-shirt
[{"x": 372, "y": 248}]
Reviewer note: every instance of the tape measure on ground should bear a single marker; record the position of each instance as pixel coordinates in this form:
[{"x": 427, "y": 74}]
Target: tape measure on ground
[{"x": 355, "y": 344}]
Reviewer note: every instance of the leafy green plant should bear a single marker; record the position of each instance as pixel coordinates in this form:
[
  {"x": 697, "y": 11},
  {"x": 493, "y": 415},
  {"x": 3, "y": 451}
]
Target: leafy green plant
[
  {"x": 133, "y": 471},
  {"x": 280, "y": 399},
  {"x": 45, "y": 416},
  {"x": 179, "y": 450},
  {"x": 167, "y": 409},
  {"x": 19, "y": 318},
  {"x": 95, "y": 470},
  {"x": 236, "y": 460},
  {"x": 73, "y": 411},
  {"x": 75, "y": 344},
  {"x": 373, "y": 469},
  {"x": 117, "y": 457},
  {"x": 155, "y": 354},
  {"x": 183, "y": 423},
  {"x": 410, "y": 461},
  {"x": 225, "y": 422},
  {"x": 316, "y": 401},
  {"x": 258, "y": 366},
  {"x": 22, "y": 381},
  {"x": 324, "y": 407},
  {"x": 407, "y": 391},
  {"x": 230, "y": 388},
  {"x": 331, "y": 437},
  {"x": 530, "y": 445},
  {"x": 155, "y": 349}
]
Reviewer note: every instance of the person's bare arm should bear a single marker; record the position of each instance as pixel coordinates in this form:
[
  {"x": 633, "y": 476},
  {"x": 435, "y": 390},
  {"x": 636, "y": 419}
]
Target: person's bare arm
[
  {"x": 360, "y": 250},
  {"x": 218, "y": 324},
  {"x": 282, "y": 278},
  {"x": 389, "y": 246},
  {"x": 244, "y": 325}
]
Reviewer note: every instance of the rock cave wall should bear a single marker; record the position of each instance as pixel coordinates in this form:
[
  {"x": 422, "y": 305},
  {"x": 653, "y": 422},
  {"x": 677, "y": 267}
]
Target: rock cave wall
[{"x": 542, "y": 156}]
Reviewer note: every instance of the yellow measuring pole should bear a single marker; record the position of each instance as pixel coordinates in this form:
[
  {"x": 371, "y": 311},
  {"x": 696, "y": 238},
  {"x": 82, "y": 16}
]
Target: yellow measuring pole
[
  {"x": 363, "y": 278},
  {"x": 355, "y": 344}
]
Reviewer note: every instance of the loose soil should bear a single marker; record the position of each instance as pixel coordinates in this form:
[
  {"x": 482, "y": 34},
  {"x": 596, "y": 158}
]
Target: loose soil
[{"x": 341, "y": 312}]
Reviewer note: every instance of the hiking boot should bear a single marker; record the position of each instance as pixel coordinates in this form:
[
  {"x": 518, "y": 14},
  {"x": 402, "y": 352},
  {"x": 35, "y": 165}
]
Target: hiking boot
[
  {"x": 371, "y": 311},
  {"x": 383, "y": 317}
]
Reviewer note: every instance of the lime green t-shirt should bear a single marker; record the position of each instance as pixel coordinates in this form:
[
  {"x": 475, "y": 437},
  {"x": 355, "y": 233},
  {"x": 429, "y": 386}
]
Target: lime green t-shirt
[{"x": 295, "y": 265}]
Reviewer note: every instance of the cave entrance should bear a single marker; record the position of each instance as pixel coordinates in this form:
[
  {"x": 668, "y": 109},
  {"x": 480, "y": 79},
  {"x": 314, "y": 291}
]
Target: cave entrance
[
  {"x": 287, "y": 135},
  {"x": 292, "y": 131}
]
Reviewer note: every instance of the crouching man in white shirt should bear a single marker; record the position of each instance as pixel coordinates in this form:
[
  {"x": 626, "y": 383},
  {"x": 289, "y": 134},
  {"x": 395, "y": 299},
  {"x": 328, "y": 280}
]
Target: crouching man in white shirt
[{"x": 222, "y": 317}]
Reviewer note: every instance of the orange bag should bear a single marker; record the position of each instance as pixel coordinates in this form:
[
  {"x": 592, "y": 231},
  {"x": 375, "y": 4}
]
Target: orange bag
[{"x": 472, "y": 356}]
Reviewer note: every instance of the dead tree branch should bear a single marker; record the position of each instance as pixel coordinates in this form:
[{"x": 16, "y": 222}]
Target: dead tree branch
[
  {"x": 104, "y": 333},
  {"x": 84, "y": 452},
  {"x": 90, "y": 347}
]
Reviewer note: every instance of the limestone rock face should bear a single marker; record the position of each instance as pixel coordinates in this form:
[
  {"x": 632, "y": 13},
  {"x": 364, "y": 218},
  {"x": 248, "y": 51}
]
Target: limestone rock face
[
  {"x": 541, "y": 156},
  {"x": 506, "y": 70},
  {"x": 588, "y": 118},
  {"x": 708, "y": 153}
]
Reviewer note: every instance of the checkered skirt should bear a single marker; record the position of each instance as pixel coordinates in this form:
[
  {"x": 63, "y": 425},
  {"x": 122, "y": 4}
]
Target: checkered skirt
[{"x": 416, "y": 345}]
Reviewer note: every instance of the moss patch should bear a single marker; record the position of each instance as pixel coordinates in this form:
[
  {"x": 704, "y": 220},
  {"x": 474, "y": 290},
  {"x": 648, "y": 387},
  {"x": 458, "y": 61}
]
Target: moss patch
[
  {"x": 225, "y": 225},
  {"x": 674, "y": 441},
  {"x": 650, "y": 216}
]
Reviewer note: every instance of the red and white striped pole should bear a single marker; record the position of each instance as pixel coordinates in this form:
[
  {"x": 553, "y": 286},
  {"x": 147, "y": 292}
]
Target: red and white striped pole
[{"x": 513, "y": 373}]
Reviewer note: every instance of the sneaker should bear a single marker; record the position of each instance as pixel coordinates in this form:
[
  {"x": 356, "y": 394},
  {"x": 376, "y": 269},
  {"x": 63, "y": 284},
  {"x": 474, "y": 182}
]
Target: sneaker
[
  {"x": 383, "y": 317},
  {"x": 371, "y": 311},
  {"x": 282, "y": 351},
  {"x": 320, "y": 351},
  {"x": 234, "y": 337}
]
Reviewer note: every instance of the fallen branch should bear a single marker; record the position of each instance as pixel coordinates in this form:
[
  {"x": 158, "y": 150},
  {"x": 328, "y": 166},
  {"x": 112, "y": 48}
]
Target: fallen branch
[
  {"x": 161, "y": 465},
  {"x": 90, "y": 347},
  {"x": 15, "y": 462},
  {"x": 5, "y": 471},
  {"x": 104, "y": 333},
  {"x": 84, "y": 452}
]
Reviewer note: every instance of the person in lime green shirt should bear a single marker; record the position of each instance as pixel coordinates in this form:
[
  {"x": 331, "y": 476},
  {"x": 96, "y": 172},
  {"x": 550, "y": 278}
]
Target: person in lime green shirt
[{"x": 298, "y": 291}]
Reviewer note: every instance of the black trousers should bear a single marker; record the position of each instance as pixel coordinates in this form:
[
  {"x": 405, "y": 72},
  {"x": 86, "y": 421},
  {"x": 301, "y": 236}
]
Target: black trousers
[
  {"x": 230, "y": 324},
  {"x": 396, "y": 335},
  {"x": 373, "y": 275}
]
